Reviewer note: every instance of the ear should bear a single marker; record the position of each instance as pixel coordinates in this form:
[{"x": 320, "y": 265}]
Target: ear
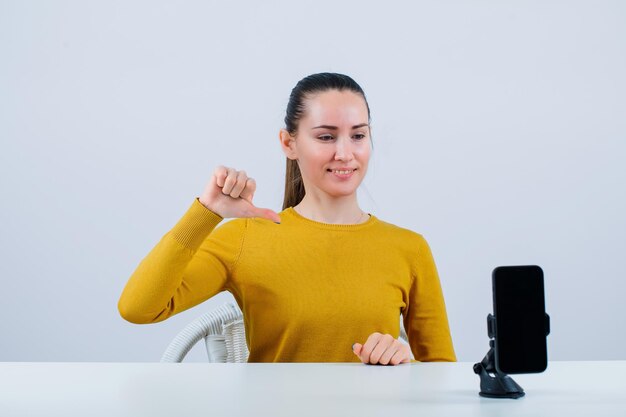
[{"x": 288, "y": 144}]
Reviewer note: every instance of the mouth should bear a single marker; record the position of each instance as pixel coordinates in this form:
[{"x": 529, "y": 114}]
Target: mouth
[
  {"x": 342, "y": 174},
  {"x": 342, "y": 171}
]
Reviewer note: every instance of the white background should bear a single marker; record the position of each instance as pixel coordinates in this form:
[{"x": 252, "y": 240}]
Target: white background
[{"x": 499, "y": 134}]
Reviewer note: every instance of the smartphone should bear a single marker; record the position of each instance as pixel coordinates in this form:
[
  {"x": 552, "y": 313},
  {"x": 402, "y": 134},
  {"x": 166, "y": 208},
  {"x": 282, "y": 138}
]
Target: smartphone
[{"x": 521, "y": 323}]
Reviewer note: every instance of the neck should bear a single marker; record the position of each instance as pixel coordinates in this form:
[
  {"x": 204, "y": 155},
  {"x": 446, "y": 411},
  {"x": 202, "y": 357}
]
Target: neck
[{"x": 343, "y": 210}]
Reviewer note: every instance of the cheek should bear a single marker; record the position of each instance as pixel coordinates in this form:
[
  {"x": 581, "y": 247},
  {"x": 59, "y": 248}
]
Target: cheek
[
  {"x": 364, "y": 154},
  {"x": 310, "y": 167},
  {"x": 315, "y": 158}
]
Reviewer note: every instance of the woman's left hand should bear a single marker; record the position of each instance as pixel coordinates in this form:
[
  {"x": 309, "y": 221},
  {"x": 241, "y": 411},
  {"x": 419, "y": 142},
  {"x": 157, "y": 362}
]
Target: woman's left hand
[{"x": 382, "y": 349}]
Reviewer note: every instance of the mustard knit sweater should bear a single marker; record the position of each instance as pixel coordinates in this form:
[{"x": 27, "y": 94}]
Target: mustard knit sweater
[{"x": 308, "y": 290}]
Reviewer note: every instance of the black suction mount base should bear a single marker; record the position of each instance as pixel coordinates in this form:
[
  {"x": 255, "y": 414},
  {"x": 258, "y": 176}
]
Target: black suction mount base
[{"x": 494, "y": 384}]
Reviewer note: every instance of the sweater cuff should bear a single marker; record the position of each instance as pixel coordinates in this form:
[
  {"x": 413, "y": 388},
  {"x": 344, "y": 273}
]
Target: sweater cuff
[{"x": 195, "y": 225}]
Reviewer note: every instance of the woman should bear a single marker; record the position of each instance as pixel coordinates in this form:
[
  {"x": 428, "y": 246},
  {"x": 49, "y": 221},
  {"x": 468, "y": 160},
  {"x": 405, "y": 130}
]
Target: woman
[{"x": 321, "y": 281}]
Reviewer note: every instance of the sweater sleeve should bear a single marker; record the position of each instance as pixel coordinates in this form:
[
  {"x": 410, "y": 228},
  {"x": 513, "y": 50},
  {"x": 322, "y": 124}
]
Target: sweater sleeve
[
  {"x": 426, "y": 320},
  {"x": 191, "y": 263}
]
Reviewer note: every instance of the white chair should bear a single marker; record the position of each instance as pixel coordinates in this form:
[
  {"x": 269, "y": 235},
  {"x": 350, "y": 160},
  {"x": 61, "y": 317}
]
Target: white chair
[{"x": 224, "y": 334}]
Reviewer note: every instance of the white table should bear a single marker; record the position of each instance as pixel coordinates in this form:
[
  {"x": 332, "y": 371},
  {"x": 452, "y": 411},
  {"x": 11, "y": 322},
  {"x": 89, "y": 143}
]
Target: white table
[{"x": 590, "y": 389}]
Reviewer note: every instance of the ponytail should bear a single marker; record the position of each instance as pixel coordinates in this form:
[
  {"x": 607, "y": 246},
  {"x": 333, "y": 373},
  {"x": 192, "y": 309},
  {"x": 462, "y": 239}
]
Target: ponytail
[{"x": 294, "y": 188}]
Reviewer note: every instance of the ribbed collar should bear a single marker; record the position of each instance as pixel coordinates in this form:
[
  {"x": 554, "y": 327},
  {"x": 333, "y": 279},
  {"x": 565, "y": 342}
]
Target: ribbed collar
[{"x": 329, "y": 226}]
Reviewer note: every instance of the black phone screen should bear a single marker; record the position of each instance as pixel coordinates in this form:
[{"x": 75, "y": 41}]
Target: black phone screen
[{"x": 520, "y": 328}]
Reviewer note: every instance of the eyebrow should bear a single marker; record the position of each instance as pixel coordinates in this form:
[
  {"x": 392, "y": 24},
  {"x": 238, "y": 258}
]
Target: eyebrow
[{"x": 335, "y": 127}]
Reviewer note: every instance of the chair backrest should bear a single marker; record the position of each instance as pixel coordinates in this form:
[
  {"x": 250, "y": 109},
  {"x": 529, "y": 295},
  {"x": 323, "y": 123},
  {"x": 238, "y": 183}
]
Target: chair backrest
[{"x": 223, "y": 332}]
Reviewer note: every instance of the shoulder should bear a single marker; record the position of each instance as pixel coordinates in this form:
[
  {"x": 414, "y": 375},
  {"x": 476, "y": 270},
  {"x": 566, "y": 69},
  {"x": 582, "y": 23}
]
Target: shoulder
[
  {"x": 230, "y": 227},
  {"x": 400, "y": 233},
  {"x": 253, "y": 226},
  {"x": 409, "y": 244}
]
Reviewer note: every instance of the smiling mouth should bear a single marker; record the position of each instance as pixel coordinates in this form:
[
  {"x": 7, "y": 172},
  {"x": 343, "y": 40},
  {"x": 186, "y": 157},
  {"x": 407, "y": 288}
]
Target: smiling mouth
[{"x": 342, "y": 172}]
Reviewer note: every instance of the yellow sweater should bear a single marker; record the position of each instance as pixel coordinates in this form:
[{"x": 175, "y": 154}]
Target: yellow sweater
[{"x": 308, "y": 290}]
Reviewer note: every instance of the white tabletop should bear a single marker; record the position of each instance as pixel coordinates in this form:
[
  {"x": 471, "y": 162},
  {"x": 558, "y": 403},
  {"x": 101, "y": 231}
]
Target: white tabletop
[{"x": 301, "y": 389}]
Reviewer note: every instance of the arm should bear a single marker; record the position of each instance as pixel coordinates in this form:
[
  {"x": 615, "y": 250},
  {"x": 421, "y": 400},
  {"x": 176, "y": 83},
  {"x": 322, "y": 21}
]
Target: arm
[
  {"x": 425, "y": 319},
  {"x": 190, "y": 264}
]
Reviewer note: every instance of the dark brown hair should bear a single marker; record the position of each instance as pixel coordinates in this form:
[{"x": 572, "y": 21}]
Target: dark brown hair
[{"x": 315, "y": 83}]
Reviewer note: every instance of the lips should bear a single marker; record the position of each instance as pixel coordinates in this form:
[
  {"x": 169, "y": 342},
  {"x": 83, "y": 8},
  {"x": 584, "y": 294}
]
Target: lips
[
  {"x": 343, "y": 174},
  {"x": 342, "y": 170}
]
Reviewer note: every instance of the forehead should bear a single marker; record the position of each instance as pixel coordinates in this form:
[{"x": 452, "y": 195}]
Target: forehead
[{"x": 335, "y": 108}]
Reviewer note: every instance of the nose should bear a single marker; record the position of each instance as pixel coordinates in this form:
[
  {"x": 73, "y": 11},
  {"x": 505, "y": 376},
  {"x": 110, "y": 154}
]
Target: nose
[{"x": 343, "y": 149}]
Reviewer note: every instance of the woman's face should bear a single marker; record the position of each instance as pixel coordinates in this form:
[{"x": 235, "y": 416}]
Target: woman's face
[{"x": 332, "y": 145}]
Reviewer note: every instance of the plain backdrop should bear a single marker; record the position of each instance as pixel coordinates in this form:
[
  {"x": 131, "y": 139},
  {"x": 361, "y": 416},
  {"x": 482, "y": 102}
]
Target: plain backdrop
[{"x": 499, "y": 134}]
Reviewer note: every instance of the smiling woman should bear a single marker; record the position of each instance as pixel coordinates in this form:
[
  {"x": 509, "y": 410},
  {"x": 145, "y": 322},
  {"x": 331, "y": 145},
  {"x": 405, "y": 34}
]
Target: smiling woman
[
  {"x": 322, "y": 281},
  {"x": 329, "y": 149}
]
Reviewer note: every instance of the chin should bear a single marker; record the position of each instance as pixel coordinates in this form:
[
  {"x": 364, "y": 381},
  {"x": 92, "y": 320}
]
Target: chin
[{"x": 340, "y": 192}]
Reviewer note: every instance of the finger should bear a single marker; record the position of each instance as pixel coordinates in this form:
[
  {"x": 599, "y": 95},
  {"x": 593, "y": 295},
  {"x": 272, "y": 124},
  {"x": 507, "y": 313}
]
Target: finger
[
  {"x": 230, "y": 181},
  {"x": 384, "y": 343},
  {"x": 248, "y": 191},
  {"x": 220, "y": 173},
  {"x": 265, "y": 214},
  {"x": 369, "y": 346},
  {"x": 356, "y": 349},
  {"x": 391, "y": 351},
  {"x": 398, "y": 358},
  {"x": 240, "y": 184}
]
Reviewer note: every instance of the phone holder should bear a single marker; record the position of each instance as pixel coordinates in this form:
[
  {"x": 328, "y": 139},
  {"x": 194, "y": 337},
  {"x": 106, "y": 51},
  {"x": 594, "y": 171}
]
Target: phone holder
[{"x": 493, "y": 383}]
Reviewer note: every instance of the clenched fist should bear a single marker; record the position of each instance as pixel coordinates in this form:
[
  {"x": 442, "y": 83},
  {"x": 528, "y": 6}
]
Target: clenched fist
[
  {"x": 382, "y": 349},
  {"x": 229, "y": 193}
]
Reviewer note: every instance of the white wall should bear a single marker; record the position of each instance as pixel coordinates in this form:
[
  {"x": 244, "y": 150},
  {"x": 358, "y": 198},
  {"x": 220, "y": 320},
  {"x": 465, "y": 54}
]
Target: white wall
[{"x": 499, "y": 132}]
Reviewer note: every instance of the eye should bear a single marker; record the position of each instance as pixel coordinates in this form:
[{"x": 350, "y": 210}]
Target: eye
[
  {"x": 325, "y": 137},
  {"x": 359, "y": 136}
]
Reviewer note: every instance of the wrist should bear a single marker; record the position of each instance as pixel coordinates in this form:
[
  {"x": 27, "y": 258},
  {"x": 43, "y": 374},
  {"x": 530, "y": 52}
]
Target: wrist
[{"x": 207, "y": 206}]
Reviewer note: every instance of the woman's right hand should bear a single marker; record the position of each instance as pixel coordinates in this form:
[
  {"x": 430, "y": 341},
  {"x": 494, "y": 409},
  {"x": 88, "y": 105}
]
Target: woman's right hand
[{"x": 229, "y": 193}]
